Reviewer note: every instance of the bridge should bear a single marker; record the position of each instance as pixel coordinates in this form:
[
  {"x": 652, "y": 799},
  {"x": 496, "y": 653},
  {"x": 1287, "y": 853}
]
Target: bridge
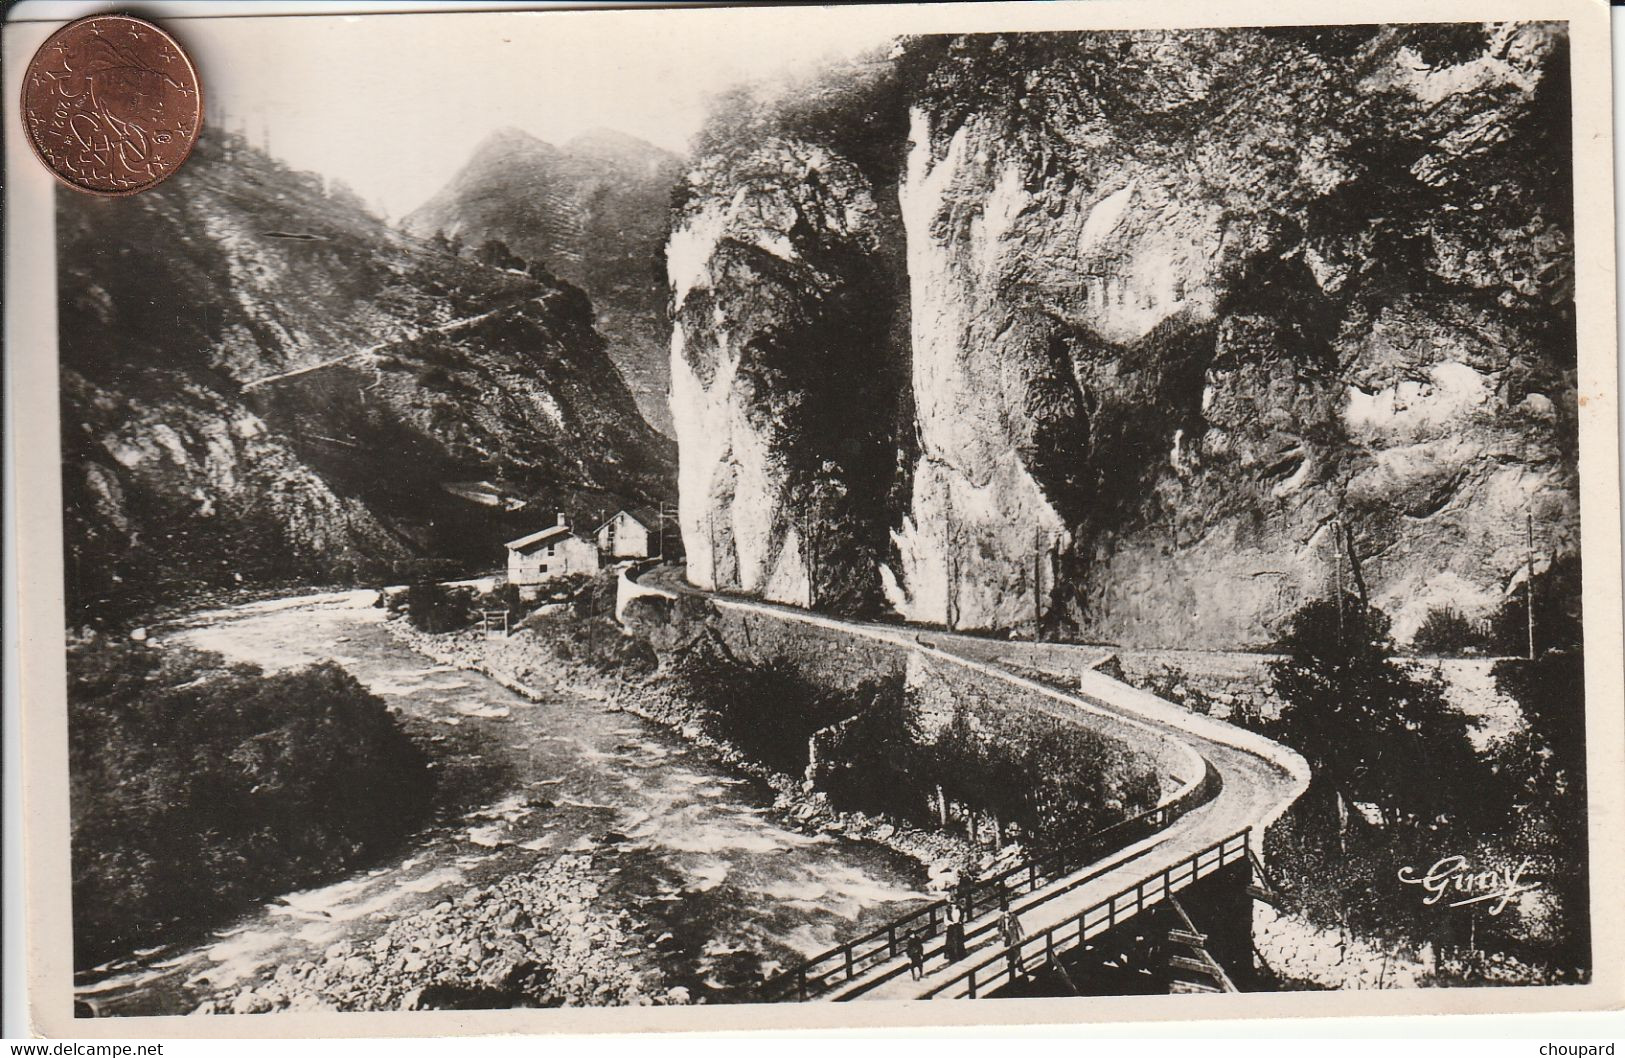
[{"x": 1088, "y": 898}]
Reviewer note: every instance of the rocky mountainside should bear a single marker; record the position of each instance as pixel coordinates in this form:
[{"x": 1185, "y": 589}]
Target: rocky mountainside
[
  {"x": 595, "y": 212},
  {"x": 1142, "y": 337},
  {"x": 263, "y": 383}
]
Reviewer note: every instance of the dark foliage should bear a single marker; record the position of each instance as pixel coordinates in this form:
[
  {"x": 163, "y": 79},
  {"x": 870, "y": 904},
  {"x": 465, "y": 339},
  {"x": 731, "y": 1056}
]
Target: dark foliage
[
  {"x": 1547, "y": 762},
  {"x": 199, "y": 788},
  {"x": 1175, "y": 684},
  {"x": 1370, "y": 729},
  {"x": 1558, "y": 624},
  {"x": 436, "y": 608},
  {"x": 494, "y": 253},
  {"x": 1375, "y": 733},
  {"x": 1446, "y": 632},
  {"x": 1051, "y": 782},
  {"x": 585, "y": 632},
  {"x": 769, "y": 710}
]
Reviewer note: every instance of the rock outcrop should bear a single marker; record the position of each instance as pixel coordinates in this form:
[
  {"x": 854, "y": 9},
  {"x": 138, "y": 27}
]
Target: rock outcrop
[
  {"x": 786, "y": 376},
  {"x": 594, "y": 211},
  {"x": 1199, "y": 324}
]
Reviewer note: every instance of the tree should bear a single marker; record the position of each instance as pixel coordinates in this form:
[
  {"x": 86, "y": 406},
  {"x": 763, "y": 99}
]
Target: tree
[
  {"x": 1371, "y": 730},
  {"x": 1558, "y": 624},
  {"x": 435, "y": 608},
  {"x": 1546, "y": 762},
  {"x": 1446, "y": 632},
  {"x": 494, "y": 253},
  {"x": 200, "y": 788}
]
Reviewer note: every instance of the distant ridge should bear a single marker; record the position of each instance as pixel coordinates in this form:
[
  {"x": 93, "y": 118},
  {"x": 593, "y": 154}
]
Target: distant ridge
[{"x": 594, "y": 211}]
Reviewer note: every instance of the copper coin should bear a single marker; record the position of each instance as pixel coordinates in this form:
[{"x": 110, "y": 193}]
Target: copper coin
[{"x": 112, "y": 104}]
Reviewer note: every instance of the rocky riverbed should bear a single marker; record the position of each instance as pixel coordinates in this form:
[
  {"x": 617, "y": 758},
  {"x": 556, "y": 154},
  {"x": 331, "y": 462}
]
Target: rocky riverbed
[
  {"x": 527, "y": 664},
  {"x": 581, "y": 855},
  {"x": 528, "y": 940}
]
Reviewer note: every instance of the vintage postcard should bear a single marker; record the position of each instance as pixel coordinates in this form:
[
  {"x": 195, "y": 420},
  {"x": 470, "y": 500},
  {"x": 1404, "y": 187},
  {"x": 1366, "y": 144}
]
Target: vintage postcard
[{"x": 878, "y": 515}]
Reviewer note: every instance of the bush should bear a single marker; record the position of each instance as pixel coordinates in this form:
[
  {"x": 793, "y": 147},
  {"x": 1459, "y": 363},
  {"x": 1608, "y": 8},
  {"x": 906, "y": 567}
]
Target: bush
[
  {"x": 1445, "y": 632},
  {"x": 436, "y": 608},
  {"x": 1558, "y": 623},
  {"x": 199, "y": 788},
  {"x": 1057, "y": 782},
  {"x": 1372, "y": 730},
  {"x": 1172, "y": 683},
  {"x": 494, "y": 253},
  {"x": 769, "y": 710},
  {"x": 597, "y": 642}
]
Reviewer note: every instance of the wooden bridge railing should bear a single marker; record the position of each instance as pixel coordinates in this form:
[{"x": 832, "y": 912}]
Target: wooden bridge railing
[
  {"x": 846, "y": 962},
  {"x": 997, "y": 969}
]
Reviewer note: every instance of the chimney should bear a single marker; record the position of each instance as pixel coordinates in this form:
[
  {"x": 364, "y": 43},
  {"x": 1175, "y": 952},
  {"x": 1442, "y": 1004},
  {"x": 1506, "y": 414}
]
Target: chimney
[{"x": 563, "y": 520}]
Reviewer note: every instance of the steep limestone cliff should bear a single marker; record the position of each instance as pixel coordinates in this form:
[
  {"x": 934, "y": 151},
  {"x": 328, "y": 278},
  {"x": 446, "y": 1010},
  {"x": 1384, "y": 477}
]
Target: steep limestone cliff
[
  {"x": 785, "y": 370},
  {"x": 1201, "y": 323}
]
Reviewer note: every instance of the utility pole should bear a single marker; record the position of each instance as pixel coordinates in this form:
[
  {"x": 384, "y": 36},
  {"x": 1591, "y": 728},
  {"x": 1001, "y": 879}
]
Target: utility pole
[
  {"x": 1038, "y": 586},
  {"x": 806, "y": 552},
  {"x": 1529, "y": 578},
  {"x": 950, "y": 616},
  {"x": 1337, "y": 564}
]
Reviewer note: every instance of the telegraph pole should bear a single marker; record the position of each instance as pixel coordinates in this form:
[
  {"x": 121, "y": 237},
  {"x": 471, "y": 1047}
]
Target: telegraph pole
[
  {"x": 1529, "y": 578},
  {"x": 1337, "y": 564},
  {"x": 1038, "y": 585},
  {"x": 951, "y": 561}
]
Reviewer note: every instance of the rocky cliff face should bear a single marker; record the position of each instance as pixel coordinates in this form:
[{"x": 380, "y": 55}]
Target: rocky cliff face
[
  {"x": 594, "y": 211},
  {"x": 1199, "y": 324},
  {"x": 262, "y": 383}
]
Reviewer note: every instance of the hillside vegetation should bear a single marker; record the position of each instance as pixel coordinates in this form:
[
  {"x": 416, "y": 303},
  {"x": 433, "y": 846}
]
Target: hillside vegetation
[
  {"x": 262, "y": 383},
  {"x": 199, "y": 788}
]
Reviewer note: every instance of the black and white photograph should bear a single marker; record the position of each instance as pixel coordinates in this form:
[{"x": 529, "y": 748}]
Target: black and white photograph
[{"x": 804, "y": 507}]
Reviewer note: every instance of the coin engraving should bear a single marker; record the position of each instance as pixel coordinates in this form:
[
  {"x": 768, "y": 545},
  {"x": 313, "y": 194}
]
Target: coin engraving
[{"x": 112, "y": 104}]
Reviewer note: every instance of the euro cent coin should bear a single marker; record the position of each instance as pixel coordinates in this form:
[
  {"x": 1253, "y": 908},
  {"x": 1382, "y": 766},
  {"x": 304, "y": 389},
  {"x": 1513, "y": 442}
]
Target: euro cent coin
[{"x": 111, "y": 105}]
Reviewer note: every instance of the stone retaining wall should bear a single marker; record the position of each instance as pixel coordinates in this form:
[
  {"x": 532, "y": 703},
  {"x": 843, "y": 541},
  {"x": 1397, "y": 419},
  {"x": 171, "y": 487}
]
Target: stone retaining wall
[{"x": 1235, "y": 685}]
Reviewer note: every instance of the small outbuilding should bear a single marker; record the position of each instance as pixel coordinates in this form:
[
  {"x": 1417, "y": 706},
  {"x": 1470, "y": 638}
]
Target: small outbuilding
[
  {"x": 632, "y": 533},
  {"x": 549, "y": 554}
]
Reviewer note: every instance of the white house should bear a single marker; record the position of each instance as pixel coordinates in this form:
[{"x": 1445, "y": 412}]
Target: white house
[
  {"x": 552, "y": 552},
  {"x": 633, "y": 533}
]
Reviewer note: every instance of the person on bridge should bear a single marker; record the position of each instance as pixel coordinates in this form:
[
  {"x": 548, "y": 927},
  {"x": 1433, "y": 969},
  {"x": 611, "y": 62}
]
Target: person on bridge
[
  {"x": 1010, "y": 931},
  {"x": 915, "y": 947},
  {"x": 953, "y": 942}
]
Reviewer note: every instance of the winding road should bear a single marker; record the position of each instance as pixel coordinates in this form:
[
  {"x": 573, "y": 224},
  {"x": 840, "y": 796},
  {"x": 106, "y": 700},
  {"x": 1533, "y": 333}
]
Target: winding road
[{"x": 1257, "y": 780}]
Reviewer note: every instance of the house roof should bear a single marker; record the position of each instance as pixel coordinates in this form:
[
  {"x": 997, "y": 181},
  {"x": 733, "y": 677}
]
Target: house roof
[
  {"x": 536, "y": 539},
  {"x": 644, "y": 516}
]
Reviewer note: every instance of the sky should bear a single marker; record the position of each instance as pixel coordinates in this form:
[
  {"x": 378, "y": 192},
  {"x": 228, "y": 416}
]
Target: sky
[{"x": 394, "y": 104}]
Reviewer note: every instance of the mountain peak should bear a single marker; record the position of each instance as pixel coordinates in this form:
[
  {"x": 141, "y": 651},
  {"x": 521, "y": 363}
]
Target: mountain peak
[
  {"x": 602, "y": 142},
  {"x": 508, "y": 139}
]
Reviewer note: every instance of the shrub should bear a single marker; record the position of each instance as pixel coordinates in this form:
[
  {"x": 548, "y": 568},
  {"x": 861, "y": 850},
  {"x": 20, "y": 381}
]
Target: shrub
[
  {"x": 1558, "y": 624},
  {"x": 1057, "y": 782},
  {"x": 1446, "y": 632},
  {"x": 769, "y": 710},
  {"x": 1172, "y": 683},
  {"x": 200, "y": 788},
  {"x": 436, "y": 608},
  {"x": 494, "y": 253},
  {"x": 1370, "y": 729}
]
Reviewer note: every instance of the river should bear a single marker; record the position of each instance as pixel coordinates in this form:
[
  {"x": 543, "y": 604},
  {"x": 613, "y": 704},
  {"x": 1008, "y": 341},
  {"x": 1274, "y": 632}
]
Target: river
[{"x": 674, "y": 835}]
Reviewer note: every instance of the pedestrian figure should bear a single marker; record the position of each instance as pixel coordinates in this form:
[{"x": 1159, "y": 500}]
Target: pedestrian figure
[
  {"x": 953, "y": 944},
  {"x": 1010, "y": 930},
  {"x": 916, "y": 955}
]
